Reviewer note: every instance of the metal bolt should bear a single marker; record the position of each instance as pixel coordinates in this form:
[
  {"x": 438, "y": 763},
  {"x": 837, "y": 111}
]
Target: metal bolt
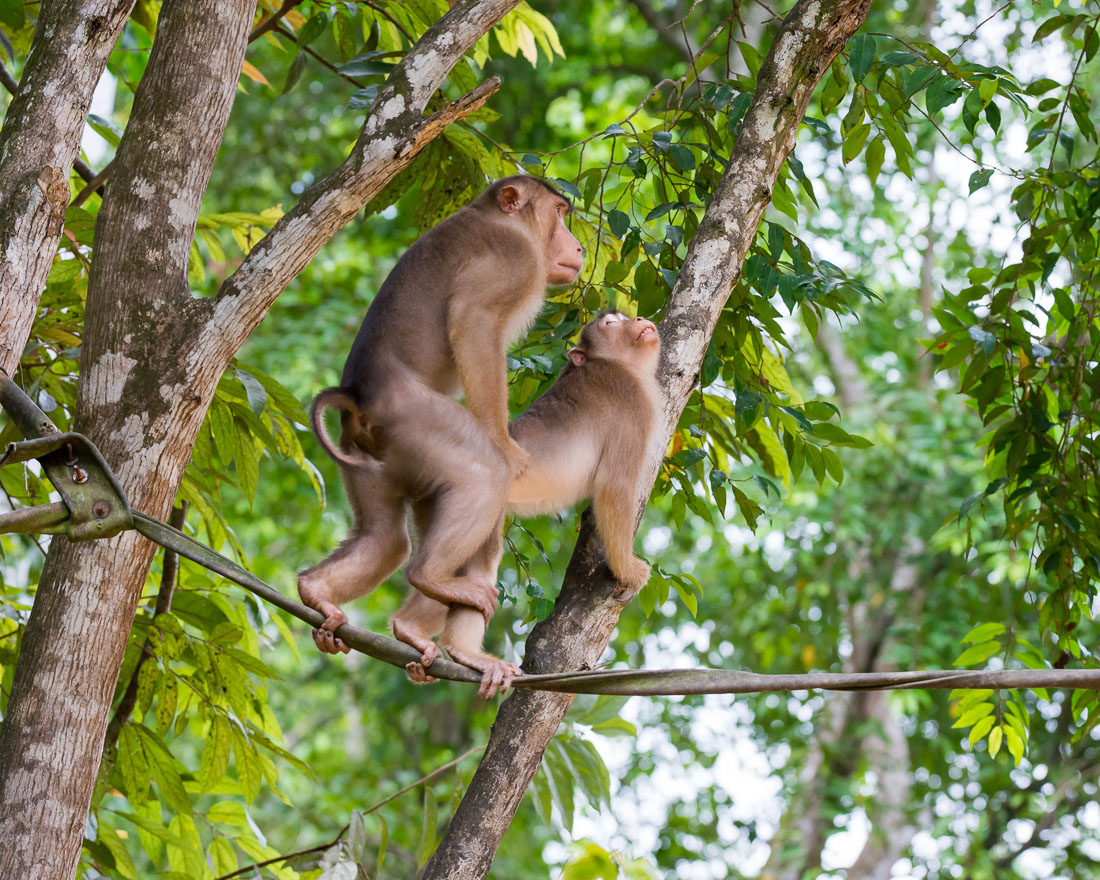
[
  {"x": 100, "y": 509},
  {"x": 79, "y": 474}
]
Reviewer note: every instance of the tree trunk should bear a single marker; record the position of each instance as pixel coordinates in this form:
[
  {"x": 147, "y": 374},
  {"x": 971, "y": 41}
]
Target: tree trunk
[
  {"x": 39, "y": 141},
  {"x": 576, "y": 633},
  {"x": 136, "y": 406},
  {"x": 152, "y": 357}
]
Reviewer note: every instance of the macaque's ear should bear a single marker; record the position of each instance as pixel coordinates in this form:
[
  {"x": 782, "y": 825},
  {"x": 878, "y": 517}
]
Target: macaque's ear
[
  {"x": 512, "y": 198},
  {"x": 577, "y": 356}
]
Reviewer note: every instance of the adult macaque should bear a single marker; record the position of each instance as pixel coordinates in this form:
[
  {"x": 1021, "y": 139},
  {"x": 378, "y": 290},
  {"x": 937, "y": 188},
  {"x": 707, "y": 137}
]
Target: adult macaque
[
  {"x": 589, "y": 436},
  {"x": 439, "y": 326}
]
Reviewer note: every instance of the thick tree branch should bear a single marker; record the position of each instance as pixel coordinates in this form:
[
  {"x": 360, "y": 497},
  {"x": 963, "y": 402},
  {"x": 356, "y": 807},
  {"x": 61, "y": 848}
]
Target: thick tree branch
[
  {"x": 392, "y": 135},
  {"x": 137, "y": 398},
  {"x": 38, "y": 144},
  {"x": 575, "y": 635}
]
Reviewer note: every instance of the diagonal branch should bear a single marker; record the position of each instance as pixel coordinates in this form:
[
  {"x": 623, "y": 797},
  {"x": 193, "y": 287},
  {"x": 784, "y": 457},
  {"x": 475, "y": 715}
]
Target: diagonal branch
[
  {"x": 394, "y": 132},
  {"x": 575, "y": 635}
]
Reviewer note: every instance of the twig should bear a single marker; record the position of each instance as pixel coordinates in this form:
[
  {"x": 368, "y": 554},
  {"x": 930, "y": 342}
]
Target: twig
[
  {"x": 94, "y": 185},
  {"x": 423, "y": 780},
  {"x": 269, "y": 23},
  {"x": 169, "y": 569}
]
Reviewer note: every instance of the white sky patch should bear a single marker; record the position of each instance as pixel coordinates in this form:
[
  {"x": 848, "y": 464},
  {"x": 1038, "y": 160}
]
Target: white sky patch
[{"x": 103, "y": 104}]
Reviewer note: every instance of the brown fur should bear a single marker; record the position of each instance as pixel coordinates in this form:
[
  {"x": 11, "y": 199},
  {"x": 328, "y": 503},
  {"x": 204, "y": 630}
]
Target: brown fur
[
  {"x": 439, "y": 326},
  {"x": 588, "y": 437}
]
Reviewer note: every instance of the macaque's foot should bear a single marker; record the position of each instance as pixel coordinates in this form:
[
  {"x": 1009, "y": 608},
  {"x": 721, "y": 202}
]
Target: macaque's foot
[
  {"x": 496, "y": 675},
  {"x": 325, "y": 637},
  {"x": 327, "y": 642},
  {"x": 417, "y": 674},
  {"x": 483, "y": 596},
  {"x": 478, "y": 592},
  {"x": 430, "y": 654},
  {"x": 636, "y": 574},
  {"x": 415, "y": 638}
]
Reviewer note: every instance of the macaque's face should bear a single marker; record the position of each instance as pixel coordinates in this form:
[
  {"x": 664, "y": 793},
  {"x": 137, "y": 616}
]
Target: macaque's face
[
  {"x": 565, "y": 255},
  {"x": 618, "y": 337},
  {"x": 547, "y": 211}
]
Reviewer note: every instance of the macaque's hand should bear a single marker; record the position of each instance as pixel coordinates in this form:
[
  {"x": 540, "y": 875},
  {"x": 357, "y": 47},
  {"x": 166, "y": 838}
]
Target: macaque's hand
[
  {"x": 636, "y": 575},
  {"x": 518, "y": 458}
]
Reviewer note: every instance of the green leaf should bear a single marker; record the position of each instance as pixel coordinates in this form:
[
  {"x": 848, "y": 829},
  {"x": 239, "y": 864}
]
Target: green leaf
[
  {"x": 876, "y": 152},
  {"x": 973, "y": 715},
  {"x": 312, "y": 29},
  {"x": 861, "y": 56},
  {"x": 943, "y": 92},
  {"x": 995, "y": 741},
  {"x": 257, "y": 396},
  {"x": 682, "y": 156},
  {"x": 978, "y": 653},
  {"x": 618, "y": 222},
  {"x": 854, "y": 142},
  {"x": 981, "y": 728},
  {"x": 11, "y": 14},
  {"x": 984, "y": 632},
  {"x": 162, "y": 766},
  {"x": 215, "y": 753},
  {"x": 979, "y": 179},
  {"x": 105, "y": 129},
  {"x": 837, "y": 436},
  {"x": 660, "y": 211},
  {"x": 294, "y": 72},
  {"x": 222, "y": 856},
  {"x": 1015, "y": 744}
]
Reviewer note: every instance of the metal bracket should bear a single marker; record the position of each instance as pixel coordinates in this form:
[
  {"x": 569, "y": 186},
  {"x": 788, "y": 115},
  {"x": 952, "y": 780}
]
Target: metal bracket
[{"x": 95, "y": 503}]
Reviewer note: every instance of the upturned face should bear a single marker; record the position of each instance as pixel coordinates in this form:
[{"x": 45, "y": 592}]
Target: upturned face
[{"x": 618, "y": 337}]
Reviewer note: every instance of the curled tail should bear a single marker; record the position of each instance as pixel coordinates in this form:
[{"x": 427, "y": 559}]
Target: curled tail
[{"x": 356, "y": 430}]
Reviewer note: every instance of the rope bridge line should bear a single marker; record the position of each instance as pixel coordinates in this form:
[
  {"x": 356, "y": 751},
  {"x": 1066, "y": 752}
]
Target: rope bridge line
[{"x": 93, "y": 505}]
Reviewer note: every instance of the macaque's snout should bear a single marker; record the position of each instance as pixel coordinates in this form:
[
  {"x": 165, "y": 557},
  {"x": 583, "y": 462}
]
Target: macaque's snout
[{"x": 646, "y": 329}]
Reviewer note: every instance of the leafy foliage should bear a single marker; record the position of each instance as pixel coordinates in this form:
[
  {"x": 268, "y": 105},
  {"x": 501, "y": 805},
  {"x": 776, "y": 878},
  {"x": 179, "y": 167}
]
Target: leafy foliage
[{"x": 791, "y": 518}]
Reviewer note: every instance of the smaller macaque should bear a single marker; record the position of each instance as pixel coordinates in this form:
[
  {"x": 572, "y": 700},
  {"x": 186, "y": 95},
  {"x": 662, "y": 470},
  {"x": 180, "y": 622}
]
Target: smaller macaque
[{"x": 589, "y": 436}]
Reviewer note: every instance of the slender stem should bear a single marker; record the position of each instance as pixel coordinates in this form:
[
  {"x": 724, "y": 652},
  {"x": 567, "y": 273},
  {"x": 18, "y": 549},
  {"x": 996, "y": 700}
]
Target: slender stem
[{"x": 423, "y": 780}]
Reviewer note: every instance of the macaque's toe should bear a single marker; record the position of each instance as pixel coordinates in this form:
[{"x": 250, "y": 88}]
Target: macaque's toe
[
  {"x": 430, "y": 655},
  {"x": 327, "y": 642},
  {"x": 417, "y": 674}
]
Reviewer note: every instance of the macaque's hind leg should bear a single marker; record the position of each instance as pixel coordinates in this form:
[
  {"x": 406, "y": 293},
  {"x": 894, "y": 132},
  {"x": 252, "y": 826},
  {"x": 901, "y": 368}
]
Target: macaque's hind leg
[
  {"x": 376, "y": 547},
  {"x": 462, "y": 640},
  {"x": 417, "y": 622},
  {"x": 469, "y": 479}
]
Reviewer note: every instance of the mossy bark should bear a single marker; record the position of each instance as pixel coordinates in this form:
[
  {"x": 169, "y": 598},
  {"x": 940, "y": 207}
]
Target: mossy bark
[{"x": 39, "y": 141}]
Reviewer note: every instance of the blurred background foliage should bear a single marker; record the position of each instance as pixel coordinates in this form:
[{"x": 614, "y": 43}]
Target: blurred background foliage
[{"x": 889, "y": 462}]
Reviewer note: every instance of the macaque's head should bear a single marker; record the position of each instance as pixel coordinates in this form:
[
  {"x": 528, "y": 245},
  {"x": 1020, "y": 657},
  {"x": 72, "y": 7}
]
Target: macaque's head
[
  {"x": 614, "y": 336},
  {"x": 544, "y": 209}
]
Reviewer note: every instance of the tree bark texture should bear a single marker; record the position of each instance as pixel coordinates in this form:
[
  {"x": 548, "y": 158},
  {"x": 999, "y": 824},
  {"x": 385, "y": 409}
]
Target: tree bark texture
[
  {"x": 588, "y": 607},
  {"x": 135, "y": 403},
  {"x": 152, "y": 358},
  {"x": 39, "y": 141}
]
